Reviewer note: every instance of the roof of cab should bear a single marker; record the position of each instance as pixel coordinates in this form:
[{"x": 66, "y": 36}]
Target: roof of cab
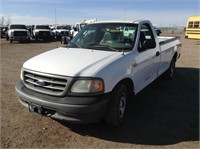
[{"x": 133, "y": 22}]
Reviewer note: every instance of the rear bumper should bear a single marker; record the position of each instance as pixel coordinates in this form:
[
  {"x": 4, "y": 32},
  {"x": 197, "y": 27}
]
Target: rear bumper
[{"x": 72, "y": 109}]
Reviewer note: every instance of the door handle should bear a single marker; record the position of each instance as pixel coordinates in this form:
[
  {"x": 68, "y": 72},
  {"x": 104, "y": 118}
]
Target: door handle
[
  {"x": 134, "y": 65},
  {"x": 157, "y": 53}
]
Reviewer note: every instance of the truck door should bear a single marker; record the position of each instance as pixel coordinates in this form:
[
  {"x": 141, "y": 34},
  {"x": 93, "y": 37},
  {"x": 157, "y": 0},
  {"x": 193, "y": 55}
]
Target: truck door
[{"x": 147, "y": 58}]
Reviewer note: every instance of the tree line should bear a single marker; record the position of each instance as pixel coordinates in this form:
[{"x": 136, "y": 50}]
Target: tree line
[{"x": 5, "y": 21}]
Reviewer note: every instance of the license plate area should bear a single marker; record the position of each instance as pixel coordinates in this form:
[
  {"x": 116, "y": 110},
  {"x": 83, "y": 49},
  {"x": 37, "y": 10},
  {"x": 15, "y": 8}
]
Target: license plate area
[{"x": 35, "y": 109}]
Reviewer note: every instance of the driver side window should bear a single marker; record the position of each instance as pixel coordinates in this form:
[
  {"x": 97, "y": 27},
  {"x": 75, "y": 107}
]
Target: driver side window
[{"x": 146, "y": 40}]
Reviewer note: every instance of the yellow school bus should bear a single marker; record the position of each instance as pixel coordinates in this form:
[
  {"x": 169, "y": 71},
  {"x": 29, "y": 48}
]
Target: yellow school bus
[{"x": 193, "y": 27}]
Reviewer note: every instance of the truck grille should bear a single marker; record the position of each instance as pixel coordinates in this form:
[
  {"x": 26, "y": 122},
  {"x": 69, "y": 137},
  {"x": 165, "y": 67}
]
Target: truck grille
[
  {"x": 48, "y": 84},
  {"x": 64, "y": 33},
  {"x": 20, "y": 33},
  {"x": 44, "y": 33}
]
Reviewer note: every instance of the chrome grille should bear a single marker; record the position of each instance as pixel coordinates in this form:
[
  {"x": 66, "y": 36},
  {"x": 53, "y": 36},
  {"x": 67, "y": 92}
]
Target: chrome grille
[
  {"x": 63, "y": 33},
  {"x": 48, "y": 84},
  {"x": 44, "y": 33},
  {"x": 20, "y": 33}
]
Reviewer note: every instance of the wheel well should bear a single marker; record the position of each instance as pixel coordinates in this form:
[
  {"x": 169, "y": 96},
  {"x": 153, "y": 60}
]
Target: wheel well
[
  {"x": 175, "y": 56},
  {"x": 129, "y": 84}
]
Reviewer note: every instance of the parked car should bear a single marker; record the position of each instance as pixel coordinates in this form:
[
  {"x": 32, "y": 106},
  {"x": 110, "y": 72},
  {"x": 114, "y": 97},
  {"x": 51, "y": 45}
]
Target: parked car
[
  {"x": 17, "y": 32},
  {"x": 95, "y": 74},
  {"x": 42, "y": 32}
]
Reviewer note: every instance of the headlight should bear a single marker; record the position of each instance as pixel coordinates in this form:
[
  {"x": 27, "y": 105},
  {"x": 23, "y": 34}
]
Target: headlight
[
  {"x": 88, "y": 86},
  {"x": 11, "y": 33},
  {"x": 57, "y": 33},
  {"x": 28, "y": 33}
]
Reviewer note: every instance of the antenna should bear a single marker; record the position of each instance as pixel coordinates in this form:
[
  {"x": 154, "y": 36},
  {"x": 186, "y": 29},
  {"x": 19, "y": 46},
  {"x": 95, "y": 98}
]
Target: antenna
[
  {"x": 56, "y": 31},
  {"x": 55, "y": 17},
  {"x": 124, "y": 14},
  {"x": 124, "y": 29}
]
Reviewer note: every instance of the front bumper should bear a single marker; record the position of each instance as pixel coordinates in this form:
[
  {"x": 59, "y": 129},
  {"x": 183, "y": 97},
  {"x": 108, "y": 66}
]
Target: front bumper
[
  {"x": 72, "y": 109},
  {"x": 19, "y": 38}
]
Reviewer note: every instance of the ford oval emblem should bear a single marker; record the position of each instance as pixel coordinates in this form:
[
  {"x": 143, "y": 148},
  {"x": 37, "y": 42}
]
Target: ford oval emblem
[{"x": 40, "y": 83}]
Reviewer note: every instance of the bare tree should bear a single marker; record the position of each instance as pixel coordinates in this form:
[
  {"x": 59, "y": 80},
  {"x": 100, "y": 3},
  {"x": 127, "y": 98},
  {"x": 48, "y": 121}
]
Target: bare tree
[
  {"x": 8, "y": 21},
  {"x": 2, "y": 21}
]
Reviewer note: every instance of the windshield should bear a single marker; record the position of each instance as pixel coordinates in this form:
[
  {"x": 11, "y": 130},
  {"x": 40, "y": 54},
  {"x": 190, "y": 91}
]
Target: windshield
[
  {"x": 17, "y": 27},
  {"x": 106, "y": 36},
  {"x": 82, "y": 25},
  {"x": 42, "y": 27},
  {"x": 64, "y": 27}
]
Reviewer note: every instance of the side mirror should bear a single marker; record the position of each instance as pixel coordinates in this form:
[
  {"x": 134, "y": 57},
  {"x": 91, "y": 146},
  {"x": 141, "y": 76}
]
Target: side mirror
[{"x": 149, "y": 44}]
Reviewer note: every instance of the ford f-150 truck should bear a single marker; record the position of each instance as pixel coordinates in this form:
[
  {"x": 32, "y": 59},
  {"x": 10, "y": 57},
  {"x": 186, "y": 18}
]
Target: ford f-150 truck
[{"x": 96, "y": 73}]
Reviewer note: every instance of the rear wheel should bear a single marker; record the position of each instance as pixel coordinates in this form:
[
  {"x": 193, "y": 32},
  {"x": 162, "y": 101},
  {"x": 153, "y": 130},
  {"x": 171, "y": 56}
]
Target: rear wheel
[
  {"x": 170, "y": 72},
  {"x": 117, "y": 106}
]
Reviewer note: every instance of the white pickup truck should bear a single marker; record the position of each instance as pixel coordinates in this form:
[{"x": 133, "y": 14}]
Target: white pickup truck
[
  {"x": 95, "y": 74},
  {"x": 62, "y": 30},
  {"x": 17, "y": 32},
  {"x": 42, "y": 32}
]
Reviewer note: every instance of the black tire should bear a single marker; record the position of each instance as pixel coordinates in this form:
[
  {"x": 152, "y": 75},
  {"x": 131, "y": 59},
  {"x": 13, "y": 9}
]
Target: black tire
[
  {"x": 7, "y": 38},
  {"x": 28, "y": 40},
  {"x": 117, "y": 106},
  {"x": 169, "y": 74}
]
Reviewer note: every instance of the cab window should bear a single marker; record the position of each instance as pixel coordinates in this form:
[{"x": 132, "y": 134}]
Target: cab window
[{"x": 146, "y": 40}]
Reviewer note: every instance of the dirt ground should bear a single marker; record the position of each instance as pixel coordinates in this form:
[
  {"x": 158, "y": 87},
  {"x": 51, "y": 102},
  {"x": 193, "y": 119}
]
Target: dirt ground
[{"x": 165, "y": 114}]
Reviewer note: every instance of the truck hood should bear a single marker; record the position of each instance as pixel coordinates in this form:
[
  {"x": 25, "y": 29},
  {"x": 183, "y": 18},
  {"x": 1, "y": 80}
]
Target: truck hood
[
  {"x": 62, "y": 30},
  {"x": 12, "y": 30},
  {"x": 71, "y": 61},
  {"x": 37, "y": 30}
]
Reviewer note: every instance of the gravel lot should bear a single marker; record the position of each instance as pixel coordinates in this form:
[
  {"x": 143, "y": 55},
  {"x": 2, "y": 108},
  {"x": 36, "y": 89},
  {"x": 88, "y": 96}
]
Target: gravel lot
[{"x": 165, "y": 114}]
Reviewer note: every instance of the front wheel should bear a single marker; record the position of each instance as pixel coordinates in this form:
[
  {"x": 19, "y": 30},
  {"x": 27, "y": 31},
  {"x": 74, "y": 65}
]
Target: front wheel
[
  {"x": 117, "y": 106},
  {"x": 7, "y": 38}
]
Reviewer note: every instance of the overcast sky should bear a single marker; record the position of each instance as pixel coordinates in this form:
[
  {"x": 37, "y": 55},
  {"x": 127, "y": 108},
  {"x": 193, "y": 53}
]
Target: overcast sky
[{"x": 160, "y": 12}]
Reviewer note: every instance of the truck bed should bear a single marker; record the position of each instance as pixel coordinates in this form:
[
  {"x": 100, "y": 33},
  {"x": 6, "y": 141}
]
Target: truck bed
[{"x": 164, "y": 39}]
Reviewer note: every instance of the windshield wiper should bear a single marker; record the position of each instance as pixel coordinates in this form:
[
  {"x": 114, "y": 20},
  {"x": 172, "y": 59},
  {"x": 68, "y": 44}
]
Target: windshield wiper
[
  {"x": 75, "y": 44},
  {"x": 97, "y": 46}
]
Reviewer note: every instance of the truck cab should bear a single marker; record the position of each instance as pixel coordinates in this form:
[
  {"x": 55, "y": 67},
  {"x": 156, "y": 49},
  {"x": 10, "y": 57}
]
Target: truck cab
[{"x": 77, "y": 27}]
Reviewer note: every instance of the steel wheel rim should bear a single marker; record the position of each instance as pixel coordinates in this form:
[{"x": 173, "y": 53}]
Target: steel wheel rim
[
  {"x": 122, "y": 105},
  {"x": 172, "y": 69}
]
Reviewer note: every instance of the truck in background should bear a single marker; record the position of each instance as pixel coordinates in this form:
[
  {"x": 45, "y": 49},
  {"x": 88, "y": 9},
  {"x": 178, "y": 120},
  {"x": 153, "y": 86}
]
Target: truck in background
[
  {"x": 17, "y": 32},
  {"x": 192, "y": 30},
  {"x": 79, "y": 26},
  {"x": 42, "y": 32},
  {"x": 62, "y": 30}
]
